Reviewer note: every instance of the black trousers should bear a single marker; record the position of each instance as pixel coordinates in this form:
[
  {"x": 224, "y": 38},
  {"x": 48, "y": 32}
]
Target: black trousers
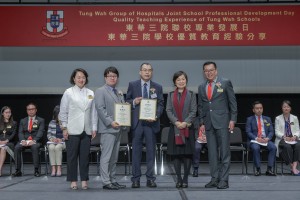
[
  {"x": 35, "y": 149},
  {"x": 78, "y": 148},
  {"x": 289, "y": 152}
]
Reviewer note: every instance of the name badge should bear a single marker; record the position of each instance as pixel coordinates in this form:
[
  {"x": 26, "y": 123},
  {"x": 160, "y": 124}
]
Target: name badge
[
  {"x": 34, "y": 126},
  {"x": 90, "y": 97},
  {"x": 9, "y": 126},
  {"x": 219, "y": 90},
  {"x": 153, "y": 96}
]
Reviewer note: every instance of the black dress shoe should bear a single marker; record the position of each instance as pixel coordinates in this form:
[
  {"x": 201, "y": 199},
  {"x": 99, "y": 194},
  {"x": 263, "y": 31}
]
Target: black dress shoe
[
  {"x": 135, "y": 184},
  {"x": 184, "y": 185},
  {"x": 118, "y": 185},
  {"x": 178, "y": 185},
  {"x": 212, "y": 184},
  {"x": 151, "y": 184},
  {"x": 257, "y": 172},
  {"x": 223, "y": 185},
  {"x": 270, "y": 173},
  {"x": 110, "y": 187},
  {"x": 17, "y": 173},
  {"x": 195, "y": 173},
  {"x": 36, "y": 173}
]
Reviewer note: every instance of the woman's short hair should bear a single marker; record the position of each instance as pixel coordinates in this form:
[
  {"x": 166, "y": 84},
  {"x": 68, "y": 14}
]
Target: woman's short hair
[
  {"x": 287, "y": 102},
  {"x": 74, "y": 74},
  {"x": 177, "y": 74}
]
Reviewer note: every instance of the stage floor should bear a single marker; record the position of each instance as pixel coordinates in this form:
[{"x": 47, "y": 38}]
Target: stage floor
[{"x": 245, "y": 187}]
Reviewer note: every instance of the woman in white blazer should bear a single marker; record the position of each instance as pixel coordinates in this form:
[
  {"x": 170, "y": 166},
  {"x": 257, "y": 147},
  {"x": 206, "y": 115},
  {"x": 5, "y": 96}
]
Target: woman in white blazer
[
  {"x": 287, "y": 137},
  {"x": 76, "y": 119}
]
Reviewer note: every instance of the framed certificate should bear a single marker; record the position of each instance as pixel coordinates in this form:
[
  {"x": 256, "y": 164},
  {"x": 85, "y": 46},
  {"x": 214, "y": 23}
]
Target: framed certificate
[
  {"x": 123, "y": 114},
  {"x": 148, "y": 109}
]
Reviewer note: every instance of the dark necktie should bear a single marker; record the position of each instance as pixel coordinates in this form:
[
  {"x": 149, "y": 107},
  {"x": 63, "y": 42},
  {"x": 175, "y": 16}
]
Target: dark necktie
[
  {"x": 115, "y": 91},
  {"x": 145, "y": 92}
]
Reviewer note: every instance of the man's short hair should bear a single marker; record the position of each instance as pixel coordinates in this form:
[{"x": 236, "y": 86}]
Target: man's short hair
[
  {"x": 31, "y": 103},
  {"x": 111, "y": 69},
  {"x": 255, "y": 103},
  {"x": 210, "y": 63},
  {"x": 145, "y": 64}
]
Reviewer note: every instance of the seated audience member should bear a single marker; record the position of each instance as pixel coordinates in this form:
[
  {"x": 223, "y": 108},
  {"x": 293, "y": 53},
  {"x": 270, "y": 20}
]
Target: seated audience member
[
  {"x": 200, "y": 144},
  {"x": 287, "y": 137},
  {"x": 8, "y": 128},
  {"x": 31, "y": 131},
  {"x": 260, "y": 131},
  {"x": 56, "y": 143}
]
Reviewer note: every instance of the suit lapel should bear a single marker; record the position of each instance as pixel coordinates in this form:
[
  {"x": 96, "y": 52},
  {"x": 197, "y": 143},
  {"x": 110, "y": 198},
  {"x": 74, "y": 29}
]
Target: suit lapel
[
  {"x": 203, "y": 88},
  {"x": 151, "y": 86},
  {"x": 112, "y": 94},
  {"x": 254, "y": 121},
  {"x": 265, "y": 127},
  {"x": 86, "y": 99},
  {"x": 139, "y": 88},
  {"x": 81, "y": 104},
  {"x": 26, "y": 124},
  {"x": 215, "y": 88}
]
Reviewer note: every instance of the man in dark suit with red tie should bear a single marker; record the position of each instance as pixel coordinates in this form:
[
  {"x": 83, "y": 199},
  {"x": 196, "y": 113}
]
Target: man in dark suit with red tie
[
  {"x": 31, "y": 131},
  {"x": 260, "y": 132},
  {"x": 138, "y": 90},
  {"x": 217, "y": 108}
]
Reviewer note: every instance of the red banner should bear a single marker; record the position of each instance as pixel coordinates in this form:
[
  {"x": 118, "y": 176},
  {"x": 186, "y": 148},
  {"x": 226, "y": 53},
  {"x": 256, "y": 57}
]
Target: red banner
[{"x": 149, "y": 25}]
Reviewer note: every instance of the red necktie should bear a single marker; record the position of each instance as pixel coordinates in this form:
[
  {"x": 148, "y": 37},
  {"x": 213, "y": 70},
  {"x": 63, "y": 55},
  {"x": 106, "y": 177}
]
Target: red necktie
[
  {"x": 30, "y": 125},
  {"x": 259, "y": 128},
  {"x": 209, "y": 91},
  {"x": 199, "y": 133}
]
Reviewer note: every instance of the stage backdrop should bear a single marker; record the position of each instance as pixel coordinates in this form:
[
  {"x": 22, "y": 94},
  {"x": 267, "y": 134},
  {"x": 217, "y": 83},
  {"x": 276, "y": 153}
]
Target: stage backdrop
[{"x": 149, "y": 25}]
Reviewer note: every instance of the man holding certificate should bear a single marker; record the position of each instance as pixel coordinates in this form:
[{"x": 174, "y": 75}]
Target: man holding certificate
[
  {"x": 106, "y": 99},
  {"x": 146, "y": 98}
]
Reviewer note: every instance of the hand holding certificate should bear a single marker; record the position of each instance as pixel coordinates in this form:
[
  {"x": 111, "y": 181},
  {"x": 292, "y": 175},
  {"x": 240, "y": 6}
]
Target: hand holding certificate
[
  {"x": 148, "y": 109},
  {"x": 122, "y": 114}
]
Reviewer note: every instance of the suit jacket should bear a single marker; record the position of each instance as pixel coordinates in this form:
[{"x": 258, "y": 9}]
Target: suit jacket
[
  {"x": 252, "y": 129},
  {"x": 10, "y": 132},
  {"x": 222, "y": 108},
  {"x": 135, "y": 90},
  {"x": 189, "y": 108},
  {"x": 37, "y": 131},
  {"x": 280, "y": 126},
  {"x": 76, "y": 111},
  {"x": 105, "y": 100}
]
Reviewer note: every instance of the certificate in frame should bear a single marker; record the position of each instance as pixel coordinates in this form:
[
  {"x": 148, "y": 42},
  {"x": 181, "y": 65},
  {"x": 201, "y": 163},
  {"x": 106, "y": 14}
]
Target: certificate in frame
[
  {"x": 123, "y": 114},
  {"x": 148, "y": 109}
]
